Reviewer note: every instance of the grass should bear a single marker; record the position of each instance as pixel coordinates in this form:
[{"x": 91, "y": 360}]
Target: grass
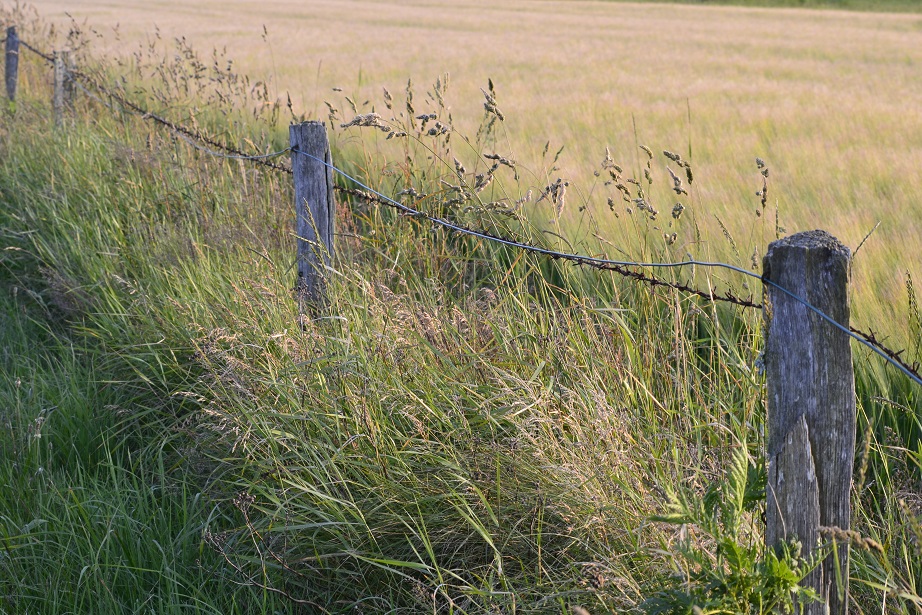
[
  {"x": 89, "y": 523},
  {"x": 460, "y": 429}
]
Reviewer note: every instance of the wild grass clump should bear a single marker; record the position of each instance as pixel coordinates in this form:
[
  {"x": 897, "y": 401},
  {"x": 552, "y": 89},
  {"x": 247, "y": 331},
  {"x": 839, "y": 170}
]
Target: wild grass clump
[{"x": 461, "y": 428}]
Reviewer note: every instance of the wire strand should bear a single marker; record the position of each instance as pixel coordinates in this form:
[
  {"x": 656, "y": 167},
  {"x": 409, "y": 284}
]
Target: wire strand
[
  {"x": 603, "y": 262},
  {"x": 618, "y": 266},
  {"x": 38, "y": 52},
  {"x": 211, "y": 152}
]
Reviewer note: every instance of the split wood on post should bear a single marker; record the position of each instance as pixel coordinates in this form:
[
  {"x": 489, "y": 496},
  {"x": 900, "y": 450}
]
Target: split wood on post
[
  {"x": 811, "y": 405},
  {"x": 314, "y": 206},
  {"x": 12, "y": 62}
]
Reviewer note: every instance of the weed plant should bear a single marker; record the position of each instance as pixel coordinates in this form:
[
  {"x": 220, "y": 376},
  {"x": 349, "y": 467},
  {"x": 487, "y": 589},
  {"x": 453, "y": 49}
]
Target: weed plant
[{"x": 459, "y": 428}]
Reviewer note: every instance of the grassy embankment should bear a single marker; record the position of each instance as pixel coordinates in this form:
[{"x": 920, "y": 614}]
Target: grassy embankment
[{"x": 461, "y": 429}]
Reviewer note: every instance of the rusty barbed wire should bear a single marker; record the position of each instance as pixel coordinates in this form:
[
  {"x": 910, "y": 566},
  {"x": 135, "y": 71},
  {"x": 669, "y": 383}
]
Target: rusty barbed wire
[
  {"x": 227, "y": 150},
  {"x": 579, "y": 260}
]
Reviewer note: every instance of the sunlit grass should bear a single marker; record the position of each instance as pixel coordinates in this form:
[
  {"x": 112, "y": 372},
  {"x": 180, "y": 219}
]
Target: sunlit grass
[{"x": 461, "y": 428}]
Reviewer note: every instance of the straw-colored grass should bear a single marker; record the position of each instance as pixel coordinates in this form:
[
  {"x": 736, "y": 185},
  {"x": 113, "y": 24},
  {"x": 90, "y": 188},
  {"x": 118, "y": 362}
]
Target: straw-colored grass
[{"x": 828, "y": 98}]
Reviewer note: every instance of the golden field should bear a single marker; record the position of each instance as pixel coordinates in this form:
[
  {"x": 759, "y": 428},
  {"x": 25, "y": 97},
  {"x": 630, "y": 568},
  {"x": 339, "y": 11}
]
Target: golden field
[{"x": 830, "y": 99}]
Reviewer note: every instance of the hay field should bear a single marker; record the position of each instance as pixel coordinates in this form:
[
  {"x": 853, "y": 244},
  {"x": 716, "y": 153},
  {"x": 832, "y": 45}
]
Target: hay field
[{"x": 830, "y": 99}]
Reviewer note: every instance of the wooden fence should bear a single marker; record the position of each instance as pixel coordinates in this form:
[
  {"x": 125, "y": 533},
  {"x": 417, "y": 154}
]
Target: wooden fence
[{"x": 808, "y": 363}]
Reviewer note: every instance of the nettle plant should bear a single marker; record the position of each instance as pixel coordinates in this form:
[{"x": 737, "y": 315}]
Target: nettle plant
[{"x": 721, "y": 562}]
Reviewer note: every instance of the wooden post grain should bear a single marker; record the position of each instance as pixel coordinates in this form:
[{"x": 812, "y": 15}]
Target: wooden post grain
[
  {"x": 314, "y": 205},
  {"x": 12, "y": 62},
  {"x": 811, "y": 404}
]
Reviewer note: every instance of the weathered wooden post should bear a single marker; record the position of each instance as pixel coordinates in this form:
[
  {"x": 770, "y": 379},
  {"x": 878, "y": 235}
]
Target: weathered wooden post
[
  {"x": 61, "y": 62},
  {"x": 70, "y": 81},
  {"x": 64, "y": 85},
  {"x": 12, "y": 62},
  {"x": 314, "y": 205},
  {"x": 811, "y": 404}
]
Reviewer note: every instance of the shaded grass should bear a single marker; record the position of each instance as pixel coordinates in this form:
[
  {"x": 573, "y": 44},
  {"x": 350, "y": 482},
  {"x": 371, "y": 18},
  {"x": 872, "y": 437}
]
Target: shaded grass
[{"x": 87, "y": 526}]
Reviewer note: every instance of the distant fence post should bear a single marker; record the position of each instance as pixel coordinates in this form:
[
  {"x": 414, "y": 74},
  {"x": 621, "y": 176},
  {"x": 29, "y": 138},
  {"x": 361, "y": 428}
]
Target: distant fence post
[
  {"x": 811, "y": 404},
  {"x": 70, "y": 81},
  {"x": 314, "y": 205},
  {"x": 60, "y": 72},
  {"x": 12, "y": 62},
  {"x": 64, "y": 85}
]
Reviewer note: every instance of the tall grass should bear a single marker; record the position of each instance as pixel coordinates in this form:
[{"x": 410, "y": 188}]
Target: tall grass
[{"x": 461, "y": 428}]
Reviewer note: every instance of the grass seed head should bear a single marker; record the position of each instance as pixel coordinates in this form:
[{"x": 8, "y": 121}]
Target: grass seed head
[{"x": 369, "y": 120}]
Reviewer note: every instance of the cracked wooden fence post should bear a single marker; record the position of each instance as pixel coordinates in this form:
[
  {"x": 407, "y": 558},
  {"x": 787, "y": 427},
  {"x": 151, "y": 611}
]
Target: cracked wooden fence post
[
  {"x": 12, "y": 62},
  {"x": 61, "y": 64},
  {"x": 314, "y": 206},
  {"x": 811, "y": 405},
  {"x": 65, "y": 86}
]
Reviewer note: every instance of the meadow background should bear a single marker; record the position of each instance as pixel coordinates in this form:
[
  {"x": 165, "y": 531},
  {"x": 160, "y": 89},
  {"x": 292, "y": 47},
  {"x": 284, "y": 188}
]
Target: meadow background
[
  {"x": 462, "y": 429},
  {"x": 827, "y": 98}
]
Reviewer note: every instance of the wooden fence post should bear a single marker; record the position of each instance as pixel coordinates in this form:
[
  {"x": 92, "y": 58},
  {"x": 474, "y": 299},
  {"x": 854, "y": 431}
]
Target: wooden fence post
[
  {"x": 61, "y": 62},
  {"x": 811, "y": 404},
  {"x": 314, "y": 205},
  {"x": 64, "y": 85},
  {"x": 12, "y": 62},
  {"x": 70, "y": 81}
]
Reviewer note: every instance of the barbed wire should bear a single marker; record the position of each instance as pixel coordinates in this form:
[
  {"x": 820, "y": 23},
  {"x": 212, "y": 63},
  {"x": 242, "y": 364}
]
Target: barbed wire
[
  {"x": 38, "y": 52},
  {"x": 621, "y": 267},
  {"x": 177, "y": 128}
]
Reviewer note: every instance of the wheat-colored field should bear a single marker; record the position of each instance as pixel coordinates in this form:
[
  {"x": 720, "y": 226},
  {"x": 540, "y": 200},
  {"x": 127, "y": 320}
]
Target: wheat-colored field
[{"x": 830, "y": 100}]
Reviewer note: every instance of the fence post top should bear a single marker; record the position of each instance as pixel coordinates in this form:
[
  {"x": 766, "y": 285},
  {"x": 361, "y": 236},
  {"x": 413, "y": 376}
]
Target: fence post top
[
  {"x": 810, "y": 240},
  {"x": 310, "y": 130}
]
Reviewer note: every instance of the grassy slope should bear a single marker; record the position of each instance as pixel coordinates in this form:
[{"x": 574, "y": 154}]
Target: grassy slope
[
  {"x": 88, "y": 524},
  {"x": 94, "y": 515},
  {"x": 460, "y": 428}
]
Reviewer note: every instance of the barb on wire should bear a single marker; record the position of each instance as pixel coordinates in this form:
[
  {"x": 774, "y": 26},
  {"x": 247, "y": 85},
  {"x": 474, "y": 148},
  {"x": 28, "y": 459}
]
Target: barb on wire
[
  {"x": 622, "y": 267},
  {"x": 894, "y": 355}
]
